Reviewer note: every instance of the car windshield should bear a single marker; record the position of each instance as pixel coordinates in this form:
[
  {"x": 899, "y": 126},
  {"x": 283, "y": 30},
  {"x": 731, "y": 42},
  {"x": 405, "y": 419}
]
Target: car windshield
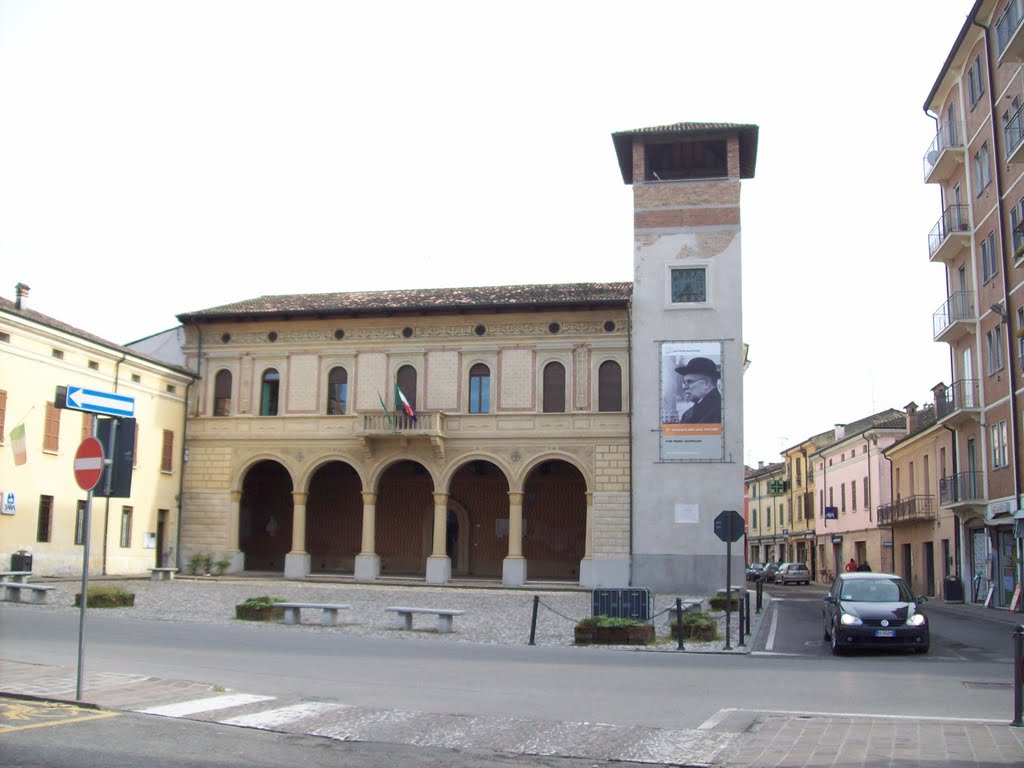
[{"x": 875, "y": 591}]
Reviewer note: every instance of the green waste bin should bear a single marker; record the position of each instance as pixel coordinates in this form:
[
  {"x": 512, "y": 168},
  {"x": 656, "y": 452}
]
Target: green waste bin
[{"x": 21, "y": 561}]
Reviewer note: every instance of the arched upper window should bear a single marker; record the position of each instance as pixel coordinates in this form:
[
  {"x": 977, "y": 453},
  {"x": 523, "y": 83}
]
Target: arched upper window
[
  {"x": 406, "y": 381},
  {"x": 554, "y": 388},
  {"x": 479, "y": 389},
  {"x": 337, "y": 391},
  {"x": 222, "y": 393},
  {"x": 609, "y": 386},
  {"x": 269, "y": 392}
]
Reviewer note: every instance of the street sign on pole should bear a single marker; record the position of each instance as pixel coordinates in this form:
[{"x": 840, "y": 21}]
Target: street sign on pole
[
  {"x": 105, "y": 403},
  {"x": 88, "y": 463},
  {"x": 729, "y": 525}
]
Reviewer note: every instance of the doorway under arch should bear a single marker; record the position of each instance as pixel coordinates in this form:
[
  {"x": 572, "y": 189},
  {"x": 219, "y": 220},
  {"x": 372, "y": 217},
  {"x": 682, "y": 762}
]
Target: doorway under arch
[
  {"x": 265, "y": 516},
  {"x": 334, "y": 518},
  {"x": 478, "y": 495},
  {"x": 405, "y": 493},
  {"x": 554, "y": 521}
]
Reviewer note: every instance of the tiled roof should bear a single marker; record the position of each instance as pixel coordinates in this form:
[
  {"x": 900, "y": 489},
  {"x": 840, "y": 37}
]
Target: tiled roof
[
  {"x": 9, "y": 307},
  {"x": 422, "y": 299}
]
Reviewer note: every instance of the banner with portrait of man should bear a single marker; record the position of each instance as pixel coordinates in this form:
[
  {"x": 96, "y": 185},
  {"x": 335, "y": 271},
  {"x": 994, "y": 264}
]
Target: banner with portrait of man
[{"x": 691, "y": 401}]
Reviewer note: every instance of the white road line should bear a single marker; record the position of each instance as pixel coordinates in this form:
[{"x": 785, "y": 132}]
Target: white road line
[
  {"x": 715, "y": 719},
  {"x": 274, "y": 718},
  {"x": 184, "y": 708},
  {"x": 771, "y": 632}
]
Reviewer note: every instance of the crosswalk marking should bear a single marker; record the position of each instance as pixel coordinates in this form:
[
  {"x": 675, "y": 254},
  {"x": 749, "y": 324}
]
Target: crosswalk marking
[
  {"x": 194, "y": 706},
  {"x": 274, "y": 718}
]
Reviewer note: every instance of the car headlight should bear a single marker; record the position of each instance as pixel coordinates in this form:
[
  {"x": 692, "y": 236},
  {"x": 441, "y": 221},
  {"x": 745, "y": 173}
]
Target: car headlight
[
  {"x": 917, "y": 620},
  {"x": 849, "y": 620}
]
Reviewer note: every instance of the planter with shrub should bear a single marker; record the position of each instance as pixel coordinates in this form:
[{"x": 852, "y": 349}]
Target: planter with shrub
[
  {"x": 103, "y": 596},
  {"x": 260, "y": 609},
  {"x": 697, "y": 625},
  {"x": 605, "y": 630}
]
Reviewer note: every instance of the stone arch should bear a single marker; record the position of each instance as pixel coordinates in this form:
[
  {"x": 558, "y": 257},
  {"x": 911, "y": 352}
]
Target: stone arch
[
  {"x": 334, "y": 517},
  {"x": 266, "y": 512},
  {"x": 480, "y": 488},
  {"x": 519, "y": 480},
  {"x": 404, "y": 499},
  {"x": 554, "y": 519}
]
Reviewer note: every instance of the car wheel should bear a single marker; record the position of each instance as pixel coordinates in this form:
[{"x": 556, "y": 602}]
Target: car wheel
[
  {"x": 837, "y": 649},
  {"x": 922, "y": 649}
]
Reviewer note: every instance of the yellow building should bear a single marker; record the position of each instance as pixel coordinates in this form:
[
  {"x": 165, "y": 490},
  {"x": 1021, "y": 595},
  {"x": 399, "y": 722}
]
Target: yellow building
[
  {"x": 43, "y": 511},
  {"x": 765, "y": 500}
]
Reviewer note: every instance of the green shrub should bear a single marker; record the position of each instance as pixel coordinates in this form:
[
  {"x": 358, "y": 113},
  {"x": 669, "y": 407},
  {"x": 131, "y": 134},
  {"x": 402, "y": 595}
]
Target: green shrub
[
  {"x": 262, "y": 602},
  {"x": 221, "y": 565},
  {"x": 718, "y": 602},
  {"x": 105, "y": 596},
  {"x": 260, "y": 609},
  {"x": 697, "y": 625},
  {"x": 200, "y": 563},
  {"x": 610, "y": 621}
]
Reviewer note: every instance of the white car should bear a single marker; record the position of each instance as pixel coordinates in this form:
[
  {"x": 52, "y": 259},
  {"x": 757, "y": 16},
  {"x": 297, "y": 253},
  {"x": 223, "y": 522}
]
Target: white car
[{"x": 793, "y": 573}]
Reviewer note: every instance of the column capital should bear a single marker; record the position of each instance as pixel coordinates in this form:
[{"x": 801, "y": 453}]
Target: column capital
[
  {"x": 369, "y": 497},
  {"x": 440, "y": 499},
  {"x": 515, "y": 497},
  {"x": 299, "y": 497},
  {"x": 236, "y": 496}
]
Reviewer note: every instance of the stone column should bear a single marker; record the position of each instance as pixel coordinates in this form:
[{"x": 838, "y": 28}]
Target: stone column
[
  {"x": 236, "y": 556},
  {"x": 513, "y": 569},
  {"x": 439, "y": 566},
  {"x": 296, "y": 562},
  {"x": 368, "y": 561}
]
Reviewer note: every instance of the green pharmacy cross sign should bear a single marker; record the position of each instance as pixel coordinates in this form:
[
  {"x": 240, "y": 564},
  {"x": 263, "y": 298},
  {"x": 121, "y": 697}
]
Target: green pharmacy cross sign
[{"x": 776, "y": 486}]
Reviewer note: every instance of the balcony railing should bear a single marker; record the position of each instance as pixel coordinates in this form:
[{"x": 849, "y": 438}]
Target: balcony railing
[
  {"x": 957, "y": 311},
  {"x": 425, "y": 423},
  {"x": 1009, "y": 39},
  {"x": 1013, "y": 133},
  {"x": 954, "y": 224},
  {"x": 943, "y": 154},
  {"x": 909, "y": 510},
  {"x": 961, "y": 397},
  {"x": 962, "y": 488}
]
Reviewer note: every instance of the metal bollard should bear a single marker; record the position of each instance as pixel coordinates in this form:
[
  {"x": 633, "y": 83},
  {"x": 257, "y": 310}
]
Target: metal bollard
[
  {"x": 1018, "y": 676},
  {"x": 741, "y": 612},
  {"x": 747, "y": 599},
  {"x": 533, "y": 624},
  {"x": 679, "y": 622},
  {"x": 760, "y": 591}
]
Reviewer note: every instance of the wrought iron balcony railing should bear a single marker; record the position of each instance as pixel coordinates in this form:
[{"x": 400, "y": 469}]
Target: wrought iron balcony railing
[
  {"x": 909, "y": 510},
  {"x": 962, "y": 488},
  {"x": 946, "y": 138},
  {"x": 963, "y": 395},
  {"x": 955, "y": 219},
  {"x": 1008, "y": 24}
]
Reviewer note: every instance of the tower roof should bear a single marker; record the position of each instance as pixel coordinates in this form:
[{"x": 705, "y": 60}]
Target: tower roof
[{"x": 623, "y": 141}]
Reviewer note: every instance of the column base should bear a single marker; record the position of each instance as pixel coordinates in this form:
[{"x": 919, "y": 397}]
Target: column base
[
  {"x": 439, "y": 570},
  {"x": 513, "y": 571},
  {"x": 367, "y": 567},
  {"x": 595, "y": 574},
  {"x": 296, "y": 565},
  {"x": 237, "y": 559}
]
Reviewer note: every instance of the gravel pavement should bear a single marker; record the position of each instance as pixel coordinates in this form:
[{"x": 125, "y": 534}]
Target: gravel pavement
[{"x": 492, "y": 615}]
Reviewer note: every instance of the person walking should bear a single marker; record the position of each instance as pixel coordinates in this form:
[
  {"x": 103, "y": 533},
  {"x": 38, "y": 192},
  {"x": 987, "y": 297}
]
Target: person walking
[{"x": 864, "y": 566}]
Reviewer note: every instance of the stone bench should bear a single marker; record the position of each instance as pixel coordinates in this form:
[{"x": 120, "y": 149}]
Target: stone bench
[
  {"x": 328, "y": 616},
  {"x": 18, "y": 577},
  {"x": 403, "y": 617},
  {"x": 36, "y": 593},
  {"x": 162, "y": 574}
]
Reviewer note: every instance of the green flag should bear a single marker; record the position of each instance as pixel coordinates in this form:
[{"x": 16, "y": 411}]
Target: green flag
[{"x": 385, "y": 409}]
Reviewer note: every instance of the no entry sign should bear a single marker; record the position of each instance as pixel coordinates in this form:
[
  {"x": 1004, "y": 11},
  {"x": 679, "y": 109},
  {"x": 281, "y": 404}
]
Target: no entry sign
[{"x": 88, "y": 463}]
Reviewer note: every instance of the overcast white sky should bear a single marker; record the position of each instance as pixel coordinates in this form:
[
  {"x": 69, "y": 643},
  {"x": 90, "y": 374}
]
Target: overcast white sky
[{"x": 163, "y": 157}]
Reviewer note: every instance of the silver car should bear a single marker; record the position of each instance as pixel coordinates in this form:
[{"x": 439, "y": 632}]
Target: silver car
[{"x": 793, "y": 573}]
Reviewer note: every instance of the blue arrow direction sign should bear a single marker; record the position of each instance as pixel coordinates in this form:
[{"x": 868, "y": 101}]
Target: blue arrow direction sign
[{"x": 107, "y": 403}]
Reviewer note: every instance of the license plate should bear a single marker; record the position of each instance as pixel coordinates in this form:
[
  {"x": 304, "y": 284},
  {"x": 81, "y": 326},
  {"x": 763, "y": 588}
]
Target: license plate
[{"x": 885, "y": 633}]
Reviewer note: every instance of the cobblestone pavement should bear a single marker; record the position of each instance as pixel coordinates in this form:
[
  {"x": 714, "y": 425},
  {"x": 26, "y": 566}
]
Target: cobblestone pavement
[{"x": 731, "y": 739}]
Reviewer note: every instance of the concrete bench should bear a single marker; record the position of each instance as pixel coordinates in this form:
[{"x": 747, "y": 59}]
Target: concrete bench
[
  {"x": 403, "y": 617},
  {"x": 36, "y": 592},
  {"x": 328, "y": 616},
  {"x": 162, "y": 574},
  {"x": 18, "y": 577}
]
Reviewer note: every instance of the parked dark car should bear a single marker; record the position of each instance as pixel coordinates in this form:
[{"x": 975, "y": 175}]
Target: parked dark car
[
  {"x": 770, "y": 570},
  {"x": 755, "y": 571},
  {"x": 874, "y": 610},
  {"x": 793, "y": 573}
]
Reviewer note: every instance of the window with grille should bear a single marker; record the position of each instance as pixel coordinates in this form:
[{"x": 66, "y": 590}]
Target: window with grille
[
  {"x": 126, "y": 527},
  {"x": 45, "y": 522}
]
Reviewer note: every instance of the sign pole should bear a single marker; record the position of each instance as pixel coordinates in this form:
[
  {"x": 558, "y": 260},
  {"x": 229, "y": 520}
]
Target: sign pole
[
  {"x": 728, "y": 577},
  {"x": 85, "y": 591}
]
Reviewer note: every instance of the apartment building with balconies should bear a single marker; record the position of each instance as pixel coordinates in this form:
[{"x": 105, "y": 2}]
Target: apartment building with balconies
[{"x": 976, "y": 163}]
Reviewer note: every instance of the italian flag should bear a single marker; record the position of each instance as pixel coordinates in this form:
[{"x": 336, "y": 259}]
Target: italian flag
[
  {"x": 400, "y": 398},
  {"x": 18, "y": 444}
]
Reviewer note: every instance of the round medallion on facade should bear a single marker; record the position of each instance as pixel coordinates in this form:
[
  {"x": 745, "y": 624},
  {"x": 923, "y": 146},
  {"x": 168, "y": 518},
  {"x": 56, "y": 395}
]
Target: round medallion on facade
[
  {"x": 407, "y": 332},
  {"x": 554, "y": 328},
  {"x": 272, "y": 336},
  {"x": 339, "y": 334}
]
